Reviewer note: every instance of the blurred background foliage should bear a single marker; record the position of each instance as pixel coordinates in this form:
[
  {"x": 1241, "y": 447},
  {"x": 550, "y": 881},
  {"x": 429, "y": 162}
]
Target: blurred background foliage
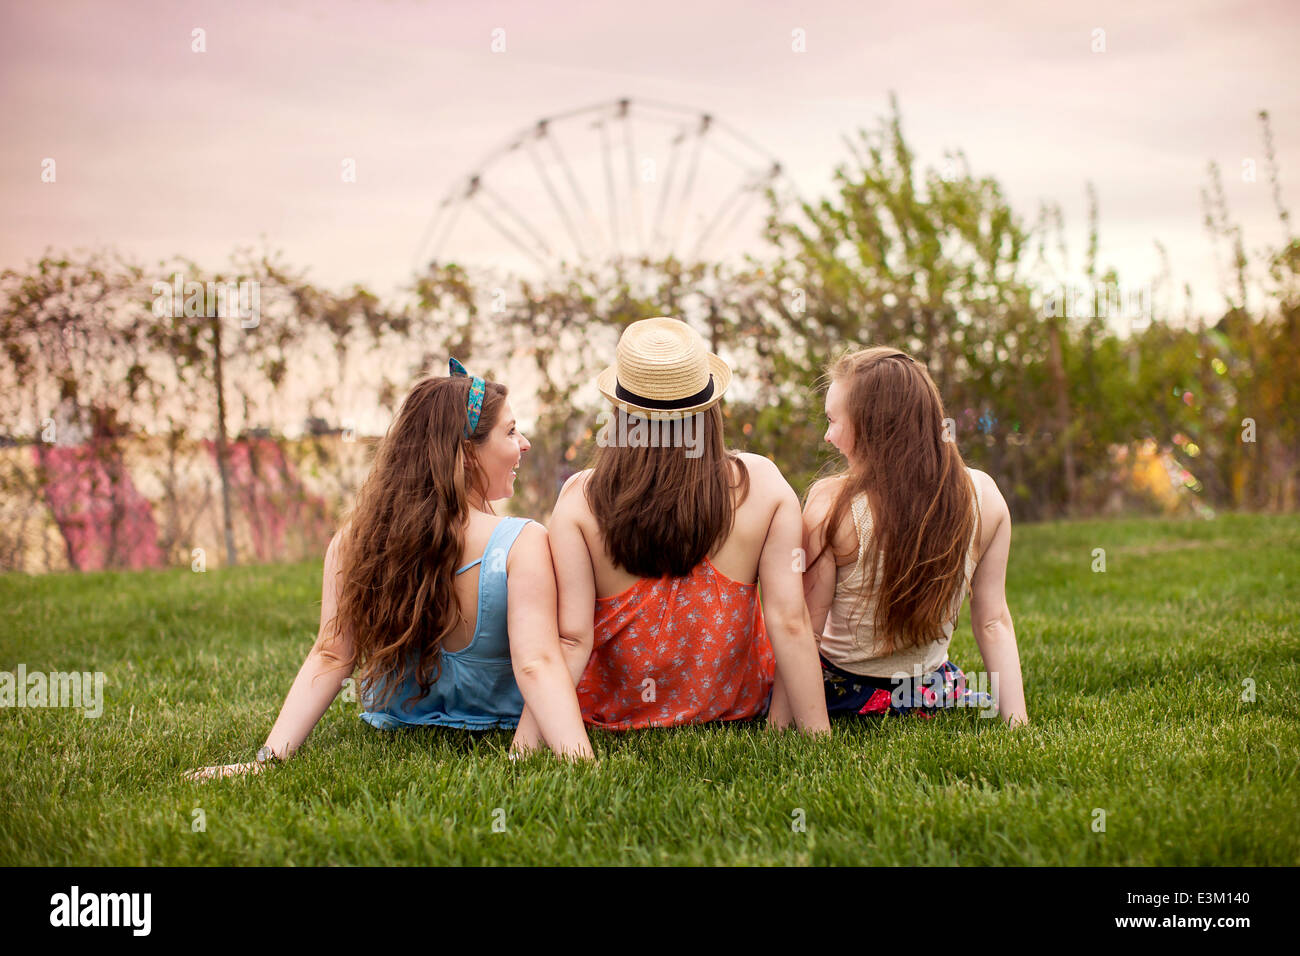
[{"x": 1129, "y": 403}]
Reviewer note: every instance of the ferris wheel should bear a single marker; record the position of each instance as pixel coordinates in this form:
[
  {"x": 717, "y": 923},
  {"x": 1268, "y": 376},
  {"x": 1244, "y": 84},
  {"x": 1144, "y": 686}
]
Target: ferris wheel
[{"x": 621, "y": 180}]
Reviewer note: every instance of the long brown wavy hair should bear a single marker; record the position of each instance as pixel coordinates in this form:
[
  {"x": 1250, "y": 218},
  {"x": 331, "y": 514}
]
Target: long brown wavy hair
[
  {"x": 406, "y": 533},
  {"x": 917, "y": 487},
  {"x": 659, "y": 510}
]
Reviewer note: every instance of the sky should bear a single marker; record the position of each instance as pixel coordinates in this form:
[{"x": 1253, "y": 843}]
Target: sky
[{"x": 161, "y": 150}]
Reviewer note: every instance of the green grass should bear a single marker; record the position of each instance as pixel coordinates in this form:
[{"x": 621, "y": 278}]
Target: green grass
[{"x": 1134, "y": 680}]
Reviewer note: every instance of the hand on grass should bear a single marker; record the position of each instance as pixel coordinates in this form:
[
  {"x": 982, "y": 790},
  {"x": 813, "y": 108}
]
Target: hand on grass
[{"x": 229, "y": 770}]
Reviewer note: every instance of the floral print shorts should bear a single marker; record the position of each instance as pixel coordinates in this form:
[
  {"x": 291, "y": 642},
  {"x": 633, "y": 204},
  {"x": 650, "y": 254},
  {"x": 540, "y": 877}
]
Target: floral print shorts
[{"x": 864, "y": 696}]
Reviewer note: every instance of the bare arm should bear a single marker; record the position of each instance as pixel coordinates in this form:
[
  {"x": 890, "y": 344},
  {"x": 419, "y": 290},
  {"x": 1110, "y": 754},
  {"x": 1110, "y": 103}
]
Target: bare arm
[
  {"x": 576, "y": 579},
  {"x": 576, "y": 596},
  {"x": 818, "y": 586},
  {"x": 991, "y": 618},
  {"x": 819, "y": 576},
  {"x": 785, "y": 613},
  {"x": 317, "y": 684},
  {"x": 539, "y": 662}
]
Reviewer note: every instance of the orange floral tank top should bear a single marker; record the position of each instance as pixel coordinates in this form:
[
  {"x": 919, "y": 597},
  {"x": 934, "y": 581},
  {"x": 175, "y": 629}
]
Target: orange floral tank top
[{"x": 678, "y": 650}]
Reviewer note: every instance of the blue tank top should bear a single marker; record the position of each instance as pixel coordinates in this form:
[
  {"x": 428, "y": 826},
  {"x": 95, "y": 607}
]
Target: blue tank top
[{"x": 476, "y": 688}]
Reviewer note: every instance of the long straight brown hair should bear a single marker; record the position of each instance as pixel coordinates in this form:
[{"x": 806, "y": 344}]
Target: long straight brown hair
[
  {"x": 406, "y": 534},
  {"x": 659, "y": 510},
  {"x": 920, "y": 494}
]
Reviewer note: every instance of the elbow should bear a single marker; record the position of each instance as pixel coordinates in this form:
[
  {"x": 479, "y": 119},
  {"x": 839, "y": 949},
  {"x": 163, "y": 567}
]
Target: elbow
[
  {"x": 994, "y": 628},
  {"x": 333, "y": 654},
  {"x": 575, "y": 641},
  {"x": 530, "y": 670},
  {"x": 790, "y": 629}
]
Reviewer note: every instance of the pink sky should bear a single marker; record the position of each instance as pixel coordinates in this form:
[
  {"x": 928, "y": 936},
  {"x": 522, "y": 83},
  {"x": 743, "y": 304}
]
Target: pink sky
[{"x": 163, "y": 151}]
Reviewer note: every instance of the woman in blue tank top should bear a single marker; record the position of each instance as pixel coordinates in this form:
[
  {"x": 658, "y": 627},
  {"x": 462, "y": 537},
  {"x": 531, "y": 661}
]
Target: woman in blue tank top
[{"x": 448, "y": 608}]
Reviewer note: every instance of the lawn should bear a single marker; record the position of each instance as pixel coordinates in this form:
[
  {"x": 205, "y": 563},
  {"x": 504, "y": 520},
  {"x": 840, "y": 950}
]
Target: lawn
[{"x": 1134, "y": 678}]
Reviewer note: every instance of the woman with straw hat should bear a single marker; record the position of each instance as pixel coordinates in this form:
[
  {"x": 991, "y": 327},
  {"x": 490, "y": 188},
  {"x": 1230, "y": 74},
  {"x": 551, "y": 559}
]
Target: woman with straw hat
[{"x": 660, "y": 550}]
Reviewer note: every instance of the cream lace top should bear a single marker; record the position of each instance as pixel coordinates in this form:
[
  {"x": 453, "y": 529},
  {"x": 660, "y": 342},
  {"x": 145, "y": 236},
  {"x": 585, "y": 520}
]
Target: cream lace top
[{"x": 854, "y": 648}]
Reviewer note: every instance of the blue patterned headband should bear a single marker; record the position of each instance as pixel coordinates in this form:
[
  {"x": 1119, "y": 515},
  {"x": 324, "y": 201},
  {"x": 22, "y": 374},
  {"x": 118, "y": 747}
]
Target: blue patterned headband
[{"x": 474, "y": 404}]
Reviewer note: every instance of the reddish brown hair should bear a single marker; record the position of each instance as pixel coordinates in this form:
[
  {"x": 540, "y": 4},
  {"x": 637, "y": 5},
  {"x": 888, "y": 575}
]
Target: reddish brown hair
[
  {"x": 659, "y": 510},
  {"x": 406, "y": 534},
  {"x": 917, "y": 487}
]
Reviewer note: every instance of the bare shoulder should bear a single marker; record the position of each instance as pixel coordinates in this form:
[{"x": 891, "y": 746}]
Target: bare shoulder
[
  {"x": 764, "y": 475},
  {"x": 336, "y": 544},
  {"x": 531, "y": 546},
  {"x": 993, "y": 506},
  {"x": 769, "y": 492},
  {"x": 823, "y": 491},
  {"x": 995, "y": 516},
  {"x": 577, "y": 481},
  {"x": 817, "y": 510},
  {"x": 334, "y": 553},
  {"x": 533, "y": 533},
  {"x": 572, "y": 507},
  {"x": 577, "y": 478}
]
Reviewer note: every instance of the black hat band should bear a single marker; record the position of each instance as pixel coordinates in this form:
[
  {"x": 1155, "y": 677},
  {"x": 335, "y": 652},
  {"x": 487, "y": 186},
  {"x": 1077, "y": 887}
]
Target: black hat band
[{"x": 667, "y": 404}]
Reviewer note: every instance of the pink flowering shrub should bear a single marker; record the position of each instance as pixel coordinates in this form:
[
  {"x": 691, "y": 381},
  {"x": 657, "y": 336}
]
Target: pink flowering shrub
[
  {"x": 105, "y": 521},
  {"x": 283, "y": 520}
]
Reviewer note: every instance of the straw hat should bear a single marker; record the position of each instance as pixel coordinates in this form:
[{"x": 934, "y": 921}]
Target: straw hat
[{"x": 664, "y": 371}]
